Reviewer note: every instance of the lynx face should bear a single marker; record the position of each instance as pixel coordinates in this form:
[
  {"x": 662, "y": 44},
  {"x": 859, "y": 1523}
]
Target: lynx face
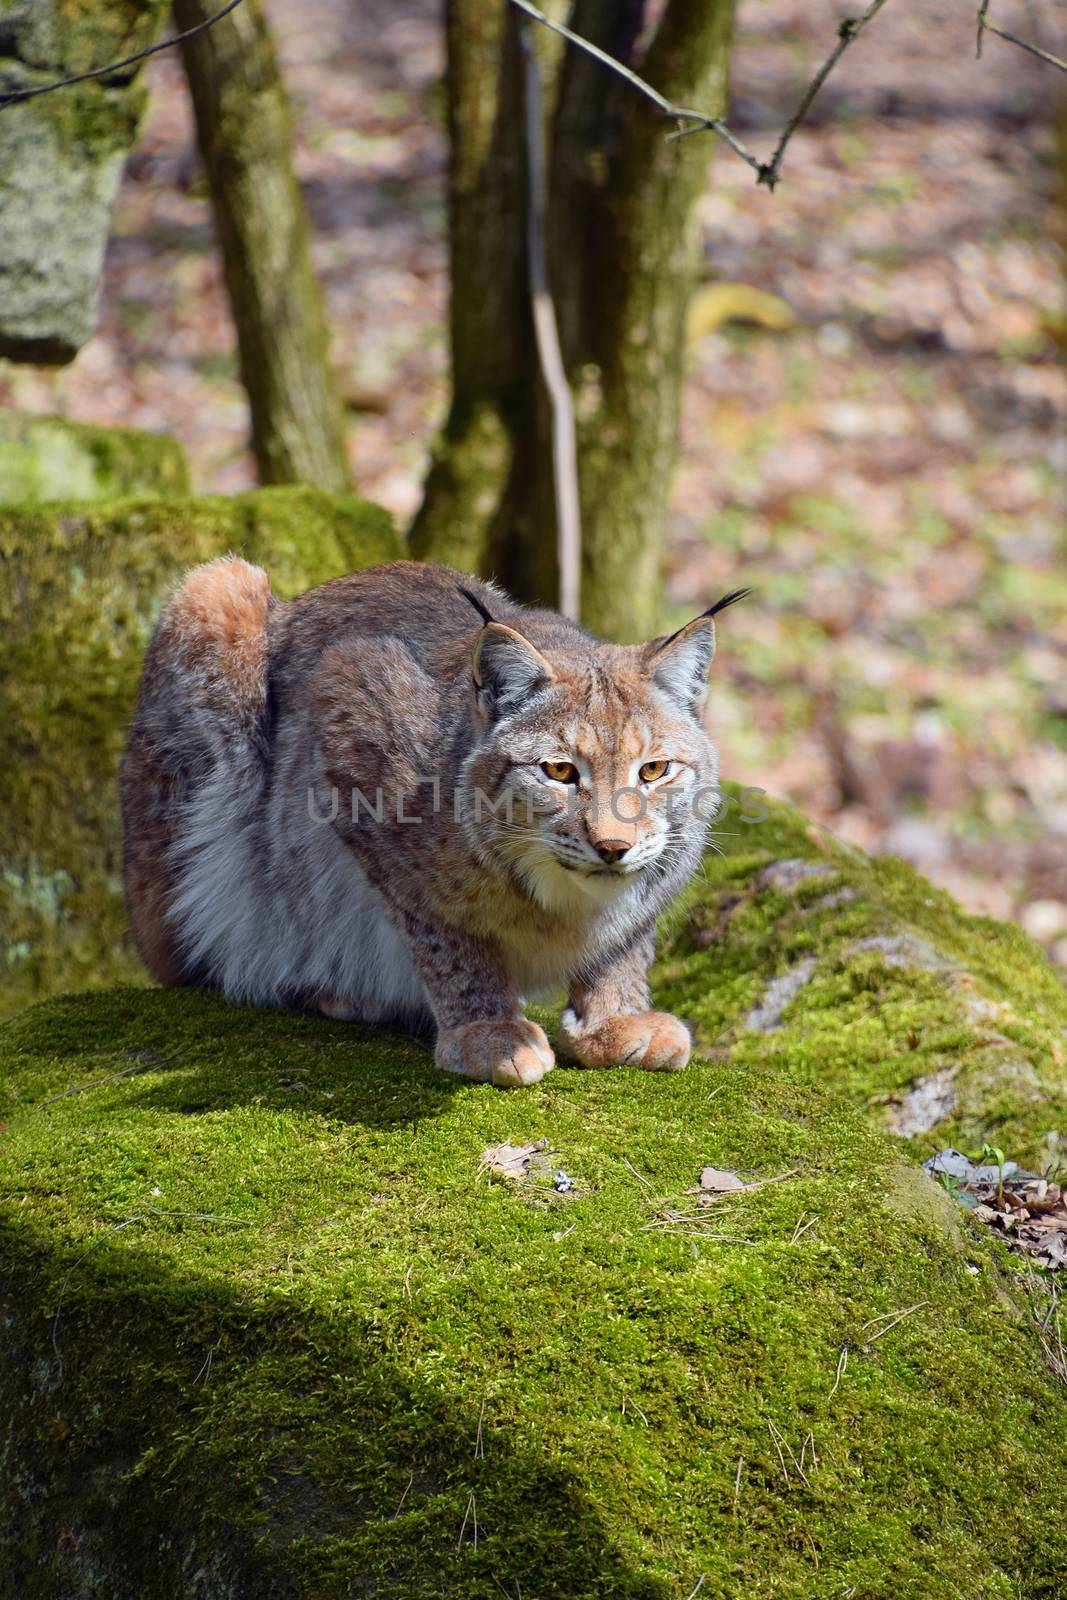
[{"x": 594, "y": 775}]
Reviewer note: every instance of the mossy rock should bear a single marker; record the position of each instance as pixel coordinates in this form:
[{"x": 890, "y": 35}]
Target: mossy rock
[
  {"x": 798, "y": 956},
  {"x": 61, "y": 159},
  {"x": 49, "y": 458},
  {"x": 270, "y": 1331},
  {"x": 80, "y": 589}
]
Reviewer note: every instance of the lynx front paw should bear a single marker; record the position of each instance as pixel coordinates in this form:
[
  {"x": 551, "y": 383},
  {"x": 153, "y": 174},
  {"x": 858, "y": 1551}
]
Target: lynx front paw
[
  {"x": 651, "y": 1039},
  {"x": 509, "y": 1054}
]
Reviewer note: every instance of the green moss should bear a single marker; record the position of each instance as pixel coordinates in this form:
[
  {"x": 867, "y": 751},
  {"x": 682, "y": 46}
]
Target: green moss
[
  {"x": 268, "y": 1331},
  {"x": 899, "y": 985},
  {"x": 49, "y": 458},
  {"x": 80, "y": 589}
]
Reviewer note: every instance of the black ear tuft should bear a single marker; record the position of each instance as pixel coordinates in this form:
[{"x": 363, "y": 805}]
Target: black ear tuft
[
  {"x": 485, "y": 615},
  {"x": 727, "y": 600}
]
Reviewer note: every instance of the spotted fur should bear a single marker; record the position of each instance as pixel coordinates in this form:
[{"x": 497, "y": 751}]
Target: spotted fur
[{"x": 341, "y": 802}]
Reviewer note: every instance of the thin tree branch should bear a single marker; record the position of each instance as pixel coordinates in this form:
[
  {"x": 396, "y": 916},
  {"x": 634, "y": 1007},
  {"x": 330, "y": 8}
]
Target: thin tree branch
[
  {"x": 847, "y": 33},
  {"x": 767, "y": 172},
  {"x": 681, "y": 114},
  {"x": 13, "y": 95},
  {"x": 546, "y": 331},
  {"x": 985, "y": 26}
]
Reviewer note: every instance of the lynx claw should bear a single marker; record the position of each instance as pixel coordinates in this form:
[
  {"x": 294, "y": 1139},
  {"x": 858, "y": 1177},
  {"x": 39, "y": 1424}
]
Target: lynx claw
[
  {"x": 507, "y": 1054},
  {"x": 653, "y": 1040}
]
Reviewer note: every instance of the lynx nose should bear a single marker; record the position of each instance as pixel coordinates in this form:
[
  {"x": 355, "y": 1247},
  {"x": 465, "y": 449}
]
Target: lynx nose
[{"x": 611, "y": 850}]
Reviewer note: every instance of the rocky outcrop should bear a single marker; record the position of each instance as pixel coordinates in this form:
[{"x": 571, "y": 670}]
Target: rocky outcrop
[
  {"x": 80, "y": 589},
  {"x": 272, "y": 1328},
  {"x": 61, "y": 158},
  {"x": 48, "y": 458}
]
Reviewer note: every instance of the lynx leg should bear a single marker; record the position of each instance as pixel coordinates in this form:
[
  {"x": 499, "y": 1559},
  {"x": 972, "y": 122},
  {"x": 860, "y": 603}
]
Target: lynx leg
[
  {"x": 481, "y": 1031},
  {"x": 608, "y": 1022}
]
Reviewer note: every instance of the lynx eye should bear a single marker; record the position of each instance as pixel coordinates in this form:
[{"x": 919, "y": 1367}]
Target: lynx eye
[
  {"x": 653, "y": 770},
  {"x": 560, "y": 771}
]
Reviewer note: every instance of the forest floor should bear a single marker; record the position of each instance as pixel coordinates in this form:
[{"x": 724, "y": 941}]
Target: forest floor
[{"x": 888, "y": 471}]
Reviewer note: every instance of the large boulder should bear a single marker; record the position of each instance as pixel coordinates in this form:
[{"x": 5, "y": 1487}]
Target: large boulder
[
  {"x": 798, "y": 955},
  {"x": 80, "y": 589},
  {"x": 61, "y": 158},
  {"x": 49, "y": 458},
  {"x": 272, "y": 1327}
]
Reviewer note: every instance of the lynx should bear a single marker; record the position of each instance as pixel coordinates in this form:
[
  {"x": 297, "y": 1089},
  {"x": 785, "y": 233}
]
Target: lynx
[{"x": 402, "y": 798}]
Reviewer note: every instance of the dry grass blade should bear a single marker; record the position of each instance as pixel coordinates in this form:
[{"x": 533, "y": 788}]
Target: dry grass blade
[
  {"x": 842, "y": 1363},
  {"x": 471, "y": 1516},
  {"x": 1049, "y": 1328},
  {"x": 403, "y": 1497},
  {"x": 99, "y": 1083},
  {"x": 780, "y": 1439},
  {"x": 802, "y": 1226},
  {"x": 781, "y": 1458},
  {"x": 894, "y": 1316},
  {"x": 639, "y": 1176}
]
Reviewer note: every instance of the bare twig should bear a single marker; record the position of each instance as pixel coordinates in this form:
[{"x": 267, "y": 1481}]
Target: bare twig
[
  {"x": 780, "y": 1439},
  {"x": 690, "y": 121},
  {"x": 680, "y": 114},
  {"x": 695, "y": 1590},
  {"x": 1049, "y": 1330},
  {"x": 985, "y": 26},
  {"x": 12, "y": 95},
  {"x": 737, "y": 1481},
  {"x": 848, "y": 32},
  {"x": 546, "y": 332},
  {"x": 636, "y": 1407},
  {"x": 842, "y": 1363}
]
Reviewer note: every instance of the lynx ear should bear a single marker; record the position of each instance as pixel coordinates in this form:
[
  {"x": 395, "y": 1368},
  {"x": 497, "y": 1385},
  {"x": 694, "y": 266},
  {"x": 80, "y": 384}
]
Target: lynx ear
[
  {"x": 507, "y": 669},
  {"x": 679, "y": 665}
]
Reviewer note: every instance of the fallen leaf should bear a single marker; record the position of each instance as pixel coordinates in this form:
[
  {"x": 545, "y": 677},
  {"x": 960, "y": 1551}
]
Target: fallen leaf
[
  {"x": 721, "y": 1182},
  {"x": 511, "y": 1160},
  {"x": 719, "y": 303}
]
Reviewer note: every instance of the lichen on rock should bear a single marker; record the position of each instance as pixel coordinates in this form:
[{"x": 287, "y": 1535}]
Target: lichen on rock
[{"x": 80, "y": 589}]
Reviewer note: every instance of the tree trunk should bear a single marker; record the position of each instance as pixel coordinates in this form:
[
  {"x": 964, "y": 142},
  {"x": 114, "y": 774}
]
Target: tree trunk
[
  {"x": 623, "y": 259},
  {"x": 242, "y": 120}
]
